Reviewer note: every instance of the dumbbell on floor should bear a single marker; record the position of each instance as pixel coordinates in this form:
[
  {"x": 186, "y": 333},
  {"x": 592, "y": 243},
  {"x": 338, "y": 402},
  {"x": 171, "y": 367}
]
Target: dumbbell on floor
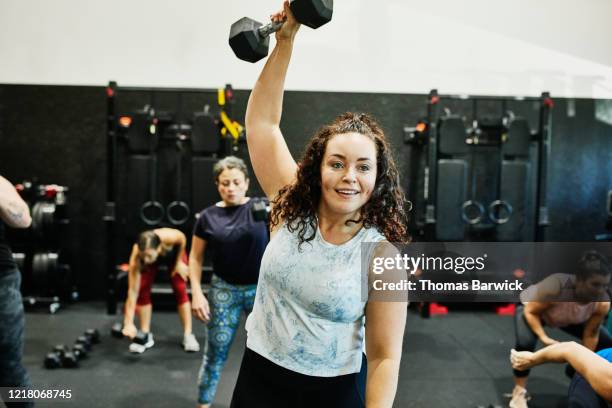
[
  {"x": 141, "y": 338},
  {"x": 88, "y": 339},
  {"x": 53, "y": 360},
  {"x": 79, "y": 351},
  {"x": 93, "y": 335},
  {"x": 250, "y": 41},
  {"x": 61, "y": 357},
  {"x": 117, "y": 332},
  {"x": 84, "y": 341}
]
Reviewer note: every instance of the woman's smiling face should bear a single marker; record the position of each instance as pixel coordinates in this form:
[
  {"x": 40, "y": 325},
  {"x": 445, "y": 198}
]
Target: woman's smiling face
[{"x": 348, "y": 173}]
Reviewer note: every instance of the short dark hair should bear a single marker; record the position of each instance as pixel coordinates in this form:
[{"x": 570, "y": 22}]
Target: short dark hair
[
  {"x": 230, "y": 162},
  {"x": 148, "y": 239},
  {"x": 593, "y": 262}
]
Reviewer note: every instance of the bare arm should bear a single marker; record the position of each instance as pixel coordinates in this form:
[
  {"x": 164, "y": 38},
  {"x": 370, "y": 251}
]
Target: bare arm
[
  {"x": 272, "y": 162},
  {"x": 385, "y": 323},
  {"x": 384, "y": 337},
  {"x": 533, "y": 310},
  {"x": 181, "y": 241},
  {"x": 548, "y": 289},
  {"x": 590, "y": 334},
  {"x": 172, "y": 237},
  {"x": 595, "y": 369},
  {"x": 199, "y": 304},
  {"x": 13, "y": 210},
  {"x": 133, "y": 287}
]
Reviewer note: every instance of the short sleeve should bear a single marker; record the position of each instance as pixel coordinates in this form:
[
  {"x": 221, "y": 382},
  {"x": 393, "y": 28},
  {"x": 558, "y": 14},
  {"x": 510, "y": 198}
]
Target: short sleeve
[{"x": 200, "y": 229}]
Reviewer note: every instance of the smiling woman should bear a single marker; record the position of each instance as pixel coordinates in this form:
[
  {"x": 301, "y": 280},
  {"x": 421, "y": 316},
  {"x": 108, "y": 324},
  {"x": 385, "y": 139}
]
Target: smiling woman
[
  {"x": 306, "y": 333},
  {"x": 346, "y": 169}
]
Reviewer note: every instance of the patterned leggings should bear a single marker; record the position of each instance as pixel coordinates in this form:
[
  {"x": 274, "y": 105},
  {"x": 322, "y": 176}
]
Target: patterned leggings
[{"x": 226, "y": 304}]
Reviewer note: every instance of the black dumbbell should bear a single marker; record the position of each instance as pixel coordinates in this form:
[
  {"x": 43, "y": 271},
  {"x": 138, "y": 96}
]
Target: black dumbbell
[
  {"x": 117, "y": 330},
  {"x": 249, "y": 39},
  {"x": 69, "y": 360},
  {"x": 61, "y": 357},
  {"x": 53, "y": 360},
  {"x": 141, "y": 338},
  {"x": 260, "y": 211},
  {"x": 59, "y": 349},
  {"x": 84, "y": 340},
  {"x": 79, "y": 351},
  {"x": 93, "y": 335}
]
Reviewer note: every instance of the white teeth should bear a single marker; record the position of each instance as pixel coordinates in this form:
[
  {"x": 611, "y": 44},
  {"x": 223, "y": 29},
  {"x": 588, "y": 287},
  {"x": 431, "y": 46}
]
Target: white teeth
[{"x": 348, "y": 192}]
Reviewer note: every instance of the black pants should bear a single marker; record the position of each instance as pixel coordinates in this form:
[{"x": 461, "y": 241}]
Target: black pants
[
  {"x": 526, "y": 339},
  {"x": 582, "y": 395},
  {"x": 263, "y": 384}
]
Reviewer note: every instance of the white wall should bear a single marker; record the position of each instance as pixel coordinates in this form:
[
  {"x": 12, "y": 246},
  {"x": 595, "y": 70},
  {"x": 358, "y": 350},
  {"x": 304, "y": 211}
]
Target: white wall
[{"x": 517, "y": 47}]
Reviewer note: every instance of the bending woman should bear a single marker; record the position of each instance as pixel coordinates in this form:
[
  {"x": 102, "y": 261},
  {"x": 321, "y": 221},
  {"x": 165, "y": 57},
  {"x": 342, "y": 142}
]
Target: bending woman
[
  {"x": 162, "y": 246},
  {"x": 581, "y": 317}
]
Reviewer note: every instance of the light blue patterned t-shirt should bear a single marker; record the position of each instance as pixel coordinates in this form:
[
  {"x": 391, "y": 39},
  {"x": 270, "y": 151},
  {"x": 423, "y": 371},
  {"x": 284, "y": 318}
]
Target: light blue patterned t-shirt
[{"x": 308, "y": 315}]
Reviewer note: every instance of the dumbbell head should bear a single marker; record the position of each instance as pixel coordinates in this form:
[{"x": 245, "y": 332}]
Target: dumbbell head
[
  {"x": 69, "y": 360},
  {"x": 312, "y": 13},
  {"x": 250, "y": 44},
  {"x": 246, "y": 42},
  {"x": 60, "y": 349},
  {"x": 53, "y": 360},
  {"x": 84, "y": 341},
  {"x": 93, "y": 335},
  {"x": 79, "y": 351},
  {"x": 117, "y": 330},
  {"x": 141, "y": 338},
  {"x": 260, "y": 211}
]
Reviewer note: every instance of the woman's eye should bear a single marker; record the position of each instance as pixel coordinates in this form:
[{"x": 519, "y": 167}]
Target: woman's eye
[
  {"x": 364, "y": 167},
  {"x": 337, "y": 165}
]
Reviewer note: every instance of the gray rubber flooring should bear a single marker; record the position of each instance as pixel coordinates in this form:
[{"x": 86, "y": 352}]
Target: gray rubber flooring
[{"x": 456, "y": 360}]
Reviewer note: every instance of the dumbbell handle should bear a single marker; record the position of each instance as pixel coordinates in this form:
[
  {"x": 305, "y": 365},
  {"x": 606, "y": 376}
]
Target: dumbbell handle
[{"x": 272, "y": 27}]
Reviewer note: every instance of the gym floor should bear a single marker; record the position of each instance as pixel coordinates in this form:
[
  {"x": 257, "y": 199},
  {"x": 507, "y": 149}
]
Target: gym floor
[{"x": 454, "y": 360}]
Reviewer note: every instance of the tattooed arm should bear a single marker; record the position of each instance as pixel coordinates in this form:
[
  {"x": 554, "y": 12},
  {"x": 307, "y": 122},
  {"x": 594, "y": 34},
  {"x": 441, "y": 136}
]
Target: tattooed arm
[{"x": 13, "y": 210}]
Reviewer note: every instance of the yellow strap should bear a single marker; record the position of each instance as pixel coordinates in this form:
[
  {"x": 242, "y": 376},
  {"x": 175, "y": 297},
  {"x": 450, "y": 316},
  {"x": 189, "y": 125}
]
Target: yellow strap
[
  {"x": 229, "y": 125},
  {"x": 221, "y": 97},
  {"x": 239, "y": 127}
]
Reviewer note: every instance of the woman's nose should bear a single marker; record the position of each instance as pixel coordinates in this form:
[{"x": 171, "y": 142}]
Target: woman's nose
[{"x": 349, "y": 175}]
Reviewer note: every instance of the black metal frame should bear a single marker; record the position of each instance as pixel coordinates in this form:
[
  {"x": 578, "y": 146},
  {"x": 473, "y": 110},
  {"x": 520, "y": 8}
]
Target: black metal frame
[
  {"x": 114, "y": 274},
  {"x": 543, "y": 138}
]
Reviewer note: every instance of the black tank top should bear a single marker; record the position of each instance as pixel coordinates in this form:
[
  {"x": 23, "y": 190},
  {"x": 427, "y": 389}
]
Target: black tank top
[{"x": 6, "y": 257}]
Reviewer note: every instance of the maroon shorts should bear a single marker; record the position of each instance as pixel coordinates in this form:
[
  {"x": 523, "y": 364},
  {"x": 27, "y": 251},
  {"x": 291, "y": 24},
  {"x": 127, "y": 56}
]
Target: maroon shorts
[{"x": 147, "y": 276}]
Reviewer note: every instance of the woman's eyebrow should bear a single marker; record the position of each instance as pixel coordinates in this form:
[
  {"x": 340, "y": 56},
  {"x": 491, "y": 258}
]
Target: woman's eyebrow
[{"x": 344, "y": 158}]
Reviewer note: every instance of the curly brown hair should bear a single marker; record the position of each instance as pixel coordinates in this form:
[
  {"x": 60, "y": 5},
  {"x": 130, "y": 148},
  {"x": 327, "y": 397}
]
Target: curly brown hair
[{"x": 297, "y": 203}]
